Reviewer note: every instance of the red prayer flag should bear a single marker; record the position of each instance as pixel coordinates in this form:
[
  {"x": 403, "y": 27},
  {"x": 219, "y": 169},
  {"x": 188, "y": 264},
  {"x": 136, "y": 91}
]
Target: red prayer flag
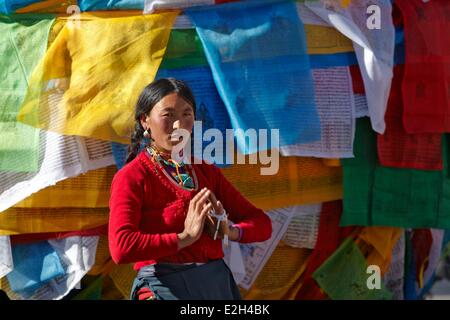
[
  {"x": 422, "y": 240},
  {"x": 357, "y": 80},
  {"x": 329, "y": 238},
  {"x": 396, "y": 147},
  {"x": 426, "y": 85}
]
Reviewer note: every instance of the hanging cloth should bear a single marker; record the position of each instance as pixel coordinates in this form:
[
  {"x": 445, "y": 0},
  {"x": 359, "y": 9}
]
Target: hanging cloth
[
  {"x": 426, "y": 93},
  {"x": 101, "y": 64},
  {"x": 24, "y": 42},
  {"x": 381, "y": 196},
  {"x": 399, "y": 149},
  {"x": 329, "y": 238},
  {"x": 343, "y": 276},
  {"x": 257, "y": 53},
  {"x": 374, "y": 48}
]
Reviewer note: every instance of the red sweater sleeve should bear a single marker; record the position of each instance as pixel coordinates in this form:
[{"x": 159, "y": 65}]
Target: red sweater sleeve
[
  {"x": 127, "y": 244},
  {"x": 255, "y": 224}
]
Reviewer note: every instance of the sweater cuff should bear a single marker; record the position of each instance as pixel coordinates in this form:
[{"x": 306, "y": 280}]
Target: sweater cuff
[{"x": 172, "y": 240}]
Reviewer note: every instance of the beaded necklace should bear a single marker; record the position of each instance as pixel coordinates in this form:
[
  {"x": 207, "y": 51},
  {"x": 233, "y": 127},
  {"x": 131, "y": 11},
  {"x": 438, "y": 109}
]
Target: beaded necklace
[{"x": 176, "y": 170}]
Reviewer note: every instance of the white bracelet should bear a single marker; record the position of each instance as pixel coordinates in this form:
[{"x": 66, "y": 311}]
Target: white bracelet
[{"x": 220, "y": 218}]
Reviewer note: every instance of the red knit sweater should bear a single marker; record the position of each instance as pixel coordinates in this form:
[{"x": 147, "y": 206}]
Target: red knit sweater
[{"x": 147, "y": 210}]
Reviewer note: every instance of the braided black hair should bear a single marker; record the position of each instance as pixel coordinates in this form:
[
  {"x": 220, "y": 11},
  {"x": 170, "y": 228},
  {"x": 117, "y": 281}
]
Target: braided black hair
[{"x": 150, "y": 96}]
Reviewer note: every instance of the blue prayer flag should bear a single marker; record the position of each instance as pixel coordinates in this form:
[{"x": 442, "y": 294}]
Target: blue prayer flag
[
  {"x": 210, "y": 110},
  {"x": 92, "y": 5},
  {"x": 257, "y": 53},
  {"x": 10, "y": 6},
  {"x": 34, "y": 265}
]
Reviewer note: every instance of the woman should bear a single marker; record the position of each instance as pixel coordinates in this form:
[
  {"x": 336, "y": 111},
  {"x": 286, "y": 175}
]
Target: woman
[{"x": 160, "y": 209}]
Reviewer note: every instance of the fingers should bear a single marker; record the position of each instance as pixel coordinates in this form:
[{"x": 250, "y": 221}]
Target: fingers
[
  {"x": 206, "y": 209},
  {"x": 199, "y": 200},
  {"x": 203, "y": 214},
  {"x": 199, "y": 194},
  {"x": 197, "y": 197},
  {"x": 213, "y": 199},
  {"x": 202, "y": 200},
  {"x": 219, "y": 206}
]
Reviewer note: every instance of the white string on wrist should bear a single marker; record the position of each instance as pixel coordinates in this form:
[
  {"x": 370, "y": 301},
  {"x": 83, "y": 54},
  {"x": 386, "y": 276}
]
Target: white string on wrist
[{"x": 220, "y": 218}]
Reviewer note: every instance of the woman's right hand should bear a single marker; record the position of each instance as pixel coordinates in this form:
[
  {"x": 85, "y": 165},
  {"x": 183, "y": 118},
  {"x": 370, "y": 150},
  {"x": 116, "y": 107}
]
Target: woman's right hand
[{"x": 195, "y": 219}]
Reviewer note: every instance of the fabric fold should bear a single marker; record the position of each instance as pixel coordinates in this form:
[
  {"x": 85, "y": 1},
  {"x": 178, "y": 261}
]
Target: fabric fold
[
  {"x": 24, "y": 43},
  {"x": 100, "y": 64},
  {"x": 374, "y": 47},
  {"x": 261, "y": 69}
]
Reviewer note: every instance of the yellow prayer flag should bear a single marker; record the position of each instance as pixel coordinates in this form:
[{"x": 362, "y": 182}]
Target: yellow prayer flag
[
  {"x": 382, "y": 240},
  {"x": 110, "y": 292},
  {"x": 298, "y": 181},
  {"x": 104, "y": 63},
  {"x": 90, "y": 190},
  {"x": 42, "y": 220},
  {"x": 103, "y": 260},
  {"x": 279, "y": 279},
  {"x": 326, "y": 40},
  {"x": 123, "y": 276}
]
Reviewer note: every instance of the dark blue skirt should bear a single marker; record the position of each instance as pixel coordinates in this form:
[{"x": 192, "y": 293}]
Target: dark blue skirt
[{"x": 167, "y": 281}]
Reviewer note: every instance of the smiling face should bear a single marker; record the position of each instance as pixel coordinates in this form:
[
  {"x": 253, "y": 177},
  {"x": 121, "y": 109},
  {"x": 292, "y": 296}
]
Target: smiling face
[{"x": 170, "y": 113}]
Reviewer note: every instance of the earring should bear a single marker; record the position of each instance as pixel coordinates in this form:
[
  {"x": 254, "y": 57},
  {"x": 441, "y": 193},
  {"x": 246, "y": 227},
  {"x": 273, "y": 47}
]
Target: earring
[{"x": 146, "y": 134}]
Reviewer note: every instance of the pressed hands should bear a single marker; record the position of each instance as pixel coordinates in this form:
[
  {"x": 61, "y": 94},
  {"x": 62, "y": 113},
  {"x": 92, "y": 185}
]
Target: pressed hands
[{"x": 197, "y": 220}]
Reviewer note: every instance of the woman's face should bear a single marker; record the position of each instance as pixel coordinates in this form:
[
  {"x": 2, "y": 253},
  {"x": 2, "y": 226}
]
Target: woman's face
[{"x": 170, "y": 113}]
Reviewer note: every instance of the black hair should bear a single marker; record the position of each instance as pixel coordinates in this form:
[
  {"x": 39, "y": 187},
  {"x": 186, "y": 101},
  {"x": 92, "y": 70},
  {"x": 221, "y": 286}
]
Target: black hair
[{"x": 151, "y": 95}]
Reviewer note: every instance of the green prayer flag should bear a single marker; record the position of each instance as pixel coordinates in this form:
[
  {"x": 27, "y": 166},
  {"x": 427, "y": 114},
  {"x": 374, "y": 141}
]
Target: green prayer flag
[
  {"x": 25, "y": 38},
  {"x": 183, "y": 50},
  {"x": 358, "y": 173},
  {"x": 343, "y": 276},
  {"x": 381, "y": 196},
  {"x": 92, "y": 292}
]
